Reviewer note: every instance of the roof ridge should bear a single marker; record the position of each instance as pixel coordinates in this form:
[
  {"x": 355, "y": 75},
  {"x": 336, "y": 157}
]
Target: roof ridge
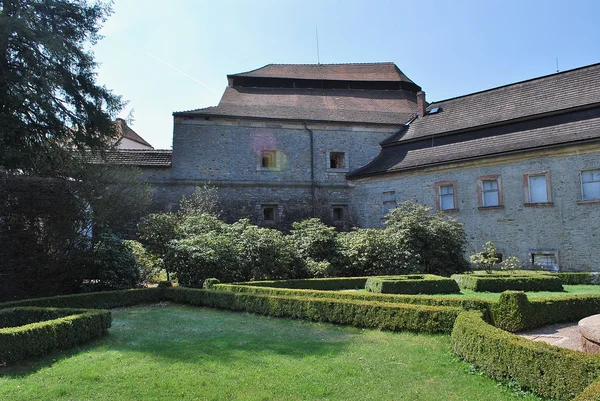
[
  {"x": 312, "y": 64},
  {"x": 515, "y": 83}
]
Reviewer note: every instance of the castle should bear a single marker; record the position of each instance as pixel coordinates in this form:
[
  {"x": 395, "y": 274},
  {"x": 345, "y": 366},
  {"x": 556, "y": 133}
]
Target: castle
[{"x": 519, "y": 165}]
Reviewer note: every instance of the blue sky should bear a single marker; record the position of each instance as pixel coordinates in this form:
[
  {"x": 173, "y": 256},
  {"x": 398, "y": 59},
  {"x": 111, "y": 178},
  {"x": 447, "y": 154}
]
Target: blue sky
[{"x": 176, "y": 56}]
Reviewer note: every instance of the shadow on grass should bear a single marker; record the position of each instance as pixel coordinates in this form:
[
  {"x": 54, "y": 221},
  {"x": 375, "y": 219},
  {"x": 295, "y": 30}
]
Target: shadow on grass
[{"x": 202, "y": 336}]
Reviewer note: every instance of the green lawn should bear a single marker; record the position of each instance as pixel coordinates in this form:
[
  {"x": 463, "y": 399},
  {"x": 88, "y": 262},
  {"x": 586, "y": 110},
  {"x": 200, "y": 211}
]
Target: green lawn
[{"x": 184, "y": 353}]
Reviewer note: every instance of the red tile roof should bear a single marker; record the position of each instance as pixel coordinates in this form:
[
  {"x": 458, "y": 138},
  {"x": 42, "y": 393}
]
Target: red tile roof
[{"x": 125, "y": 131}]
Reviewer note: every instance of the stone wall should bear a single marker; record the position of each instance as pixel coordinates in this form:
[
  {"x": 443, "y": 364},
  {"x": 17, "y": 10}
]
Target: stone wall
[{"x": 568, "y": 227}]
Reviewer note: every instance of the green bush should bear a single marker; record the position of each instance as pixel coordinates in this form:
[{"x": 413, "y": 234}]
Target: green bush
[
  {"x": 113, "y": 265},
  {"x": 67, "y": 328},
  {"x": 331, "y": 283},
  {"x": 502, "y": 282},
  {"x": 550, "y": 371},
  {"x": 316, "y": 243},
  {"x": 431, "y": 242},
  {"x": 210, "y": 282},
  {"x": 591, "y": 392},
  {"x": 151, "y": 266},
  {"x": 412, "y": 284},
  {"x": 388, "y": 316},
  {"x": 572, "y": 278},
  {"x": 165, "y": 283},
  {"x": 511, "y": 312}
]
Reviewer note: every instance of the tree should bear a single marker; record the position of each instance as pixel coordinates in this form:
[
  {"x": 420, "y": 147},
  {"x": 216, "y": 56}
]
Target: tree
[{"x": 50, "y": 103}]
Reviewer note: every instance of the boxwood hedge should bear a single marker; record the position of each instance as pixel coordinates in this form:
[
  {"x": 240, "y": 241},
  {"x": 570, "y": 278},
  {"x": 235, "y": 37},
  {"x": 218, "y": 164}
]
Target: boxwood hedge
[
  {"x": 500, "y": 282},
  {"x": 550, "y": 371},
  {"x": 591, "y": 392},
  {"x": 573, "y": 278},
  {"x": 334, "y": 283},
  {"x": 412, "y": 284},
  {"x": 26, "y": 332}
]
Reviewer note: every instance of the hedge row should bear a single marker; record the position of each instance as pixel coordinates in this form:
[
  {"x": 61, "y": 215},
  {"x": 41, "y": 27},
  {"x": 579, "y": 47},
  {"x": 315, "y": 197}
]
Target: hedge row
[
  {"x": 515, "y": 312},
  {"x": 463, "y": 303},
  {"x": 499, "y": 283},
  {"x": 94, "y": 300},
  {"x": 381, "y": 315},
  {"x": 334, "y": 283},
  {"x": 550, "y": 371},
  {"x": 76, "y": 326},
  {"x": 591, "y": 392},
  {"x": 572, "y": 278},
  {"x": 412, "y": 284}
]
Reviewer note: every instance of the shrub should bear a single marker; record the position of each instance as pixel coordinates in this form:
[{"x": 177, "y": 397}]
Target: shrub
[
  {"x": 487, "y": 258},
  {"x": 591, "y": 392},
  {"x": 209, "y": 283},
  {"x": 412, "y": 284},
  {"x": 572, "y": 278},
  {"x": 431, "y": 242},
  {"x": 512, "y": 311},
  {"x": 316, "y": 243},
  {"x": 67, "y": 328},
  {"x": 503, "y": 282},
  {"x": 331, "y": 283},
  {"x": 388, "y": 316},
  {"x": 151, "y": 266},
  {"x": 113, "y": 266},
  {"x": 552, "y": 372},
  {"x": 165, "y": 283}
]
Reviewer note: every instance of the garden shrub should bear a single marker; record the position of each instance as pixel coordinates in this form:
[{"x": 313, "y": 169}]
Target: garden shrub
[
  {"x": 388, "y": 316},
  {"x": 550, "y": 371},
  {"x": 67, "y": 328},
  {"x": 331, "y": 283},
  {"x": 316, "y": 243},
  {"x": 151, "y": 266},
  {"x": 508, "y": 281},
  {"x": 210, "y": 282},
  {"x": 113, "y": 265},
  {"x": 412, "y": 284},
  {"x": 512, "y": 311},
  {"x": 591, "y": 392},
  {"x": 575, "y": 278},
  {"x": 165, "y": 283},
  {"x": 432, "y": 243}
]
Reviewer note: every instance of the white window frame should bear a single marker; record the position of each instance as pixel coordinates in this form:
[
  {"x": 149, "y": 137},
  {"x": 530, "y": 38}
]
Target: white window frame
[
  {"x": 439, "y": 196},
  {"x": 594, "y": 181},
  {"x": 527, "y": 186},
  {"x": 389, "y": 202},
  {"x": 481, "y": 191}
]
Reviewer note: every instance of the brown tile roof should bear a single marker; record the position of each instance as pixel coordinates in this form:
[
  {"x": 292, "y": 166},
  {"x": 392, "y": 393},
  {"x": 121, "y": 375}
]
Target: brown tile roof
[
  {"x": 561, "y": 130},
  {"x": 125, "y": 131},
  {"x": 548, "y": 94},
  {"x": 329, "y": 105},
  {"x": 335, "y": 72},
  {"x": 136, "y": 157}
]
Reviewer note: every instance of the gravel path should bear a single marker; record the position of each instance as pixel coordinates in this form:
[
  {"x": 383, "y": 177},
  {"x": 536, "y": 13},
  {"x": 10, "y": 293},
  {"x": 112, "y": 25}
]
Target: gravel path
[{"x": 564, "y": 335}]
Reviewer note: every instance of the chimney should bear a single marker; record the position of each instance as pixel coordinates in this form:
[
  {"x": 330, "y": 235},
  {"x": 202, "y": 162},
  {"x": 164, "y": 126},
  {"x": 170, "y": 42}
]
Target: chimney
[{"x": 421, "y": 103}]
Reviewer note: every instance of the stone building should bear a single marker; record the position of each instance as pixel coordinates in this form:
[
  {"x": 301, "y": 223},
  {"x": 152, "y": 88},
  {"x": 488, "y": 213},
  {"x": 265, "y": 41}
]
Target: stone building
[{"x": 519, "y": 165}]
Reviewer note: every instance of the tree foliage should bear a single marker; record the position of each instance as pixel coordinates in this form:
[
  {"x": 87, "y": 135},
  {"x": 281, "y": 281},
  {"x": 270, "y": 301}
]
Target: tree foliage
[{"x": 50, "y": 102}]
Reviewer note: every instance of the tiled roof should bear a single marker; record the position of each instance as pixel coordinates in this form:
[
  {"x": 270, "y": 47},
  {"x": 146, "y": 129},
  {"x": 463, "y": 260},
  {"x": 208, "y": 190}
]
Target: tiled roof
[
  {"x": 337, "y": 72},
  {"x": 330, "y": 105},
  {"x": 572, "y": 128},
  {"x": 137, "y": 157},
  {"x": 125, "y": 131},
  {"x": 548, "y": 94}
]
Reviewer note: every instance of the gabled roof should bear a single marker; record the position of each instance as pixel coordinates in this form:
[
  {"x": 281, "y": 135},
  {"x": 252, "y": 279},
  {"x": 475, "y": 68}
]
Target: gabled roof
[
  {"x": 333, "y": 105},
  {"x": 522, "y": 100},
  {"x": 136, "y": 157},
  {"x": 337, "y": 72},
  {"x": 125, "y": 131}
]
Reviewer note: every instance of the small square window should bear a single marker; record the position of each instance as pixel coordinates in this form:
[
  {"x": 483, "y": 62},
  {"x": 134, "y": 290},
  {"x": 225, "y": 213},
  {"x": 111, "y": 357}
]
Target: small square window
[
  {"x": 338, "y": 213},
  {"x": 389, "y": 202},
  {"x": 537, "y": 187},
  {"x": 446, "y": 195},
  {"x": 590, "y": 184},
  {"x": 337, "y": 160},
  {"x": 544, "y": 260},
  {"x": 268, "y": 158},
  {"x": 268, "y": 213}
]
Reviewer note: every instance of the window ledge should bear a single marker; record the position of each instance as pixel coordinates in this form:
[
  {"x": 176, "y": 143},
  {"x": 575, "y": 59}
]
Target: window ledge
[
  {"x": 586, "y": 201},
  {"x": 539, "y": 204},
  {"x": 491, "y": 207},
  {"x": 337, "y": 170},
  {"x": 449, "y": 210},
  {"x": 270, "y": 169}
]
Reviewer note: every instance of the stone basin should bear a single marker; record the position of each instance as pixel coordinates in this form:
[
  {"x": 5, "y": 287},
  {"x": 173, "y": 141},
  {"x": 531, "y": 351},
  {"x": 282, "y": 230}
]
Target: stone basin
[{"x": 590, "y": 334}]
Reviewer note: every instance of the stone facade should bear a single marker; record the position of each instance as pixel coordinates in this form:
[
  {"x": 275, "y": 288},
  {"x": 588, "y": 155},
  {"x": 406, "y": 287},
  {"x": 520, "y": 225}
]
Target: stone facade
[{"x": 567, "y": 227}]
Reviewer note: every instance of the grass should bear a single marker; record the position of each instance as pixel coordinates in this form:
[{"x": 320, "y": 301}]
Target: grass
[{"x": 184, "y": 353}]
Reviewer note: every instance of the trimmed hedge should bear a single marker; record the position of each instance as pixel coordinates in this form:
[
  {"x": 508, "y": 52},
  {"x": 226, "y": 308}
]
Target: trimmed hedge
[
  {"x": 412, "y": 284},
  {"x": 381, "y": 315},
  {"x": 550, "y": 371},
  {"x": 67, "y": 328},
  {"x": 591, "y": 392},
  {"x": 335, "y": 283},
  {"x": 94, "y": 300},
  {"x": 463, "y": 303},
  {"x": 501, "y": 282},
  {"x": 572, "y": 278}
]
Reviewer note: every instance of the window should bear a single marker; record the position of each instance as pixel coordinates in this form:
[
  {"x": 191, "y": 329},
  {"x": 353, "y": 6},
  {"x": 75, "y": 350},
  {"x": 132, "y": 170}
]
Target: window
[
  {"x": 545, "y": 260},
  {"x": 269, "y": 213},
  {"x": 389, "y": 202},
  {"x": 489, "y": 189},
  {"x": 268, "y": 158},
  {"x": 338, "y": 213},
  {"x": 537, "y": 187},
  {"x": 590, "y": 184},
  {"x": 446, "y": 195},
  {"x": 337, "y": 160}
]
